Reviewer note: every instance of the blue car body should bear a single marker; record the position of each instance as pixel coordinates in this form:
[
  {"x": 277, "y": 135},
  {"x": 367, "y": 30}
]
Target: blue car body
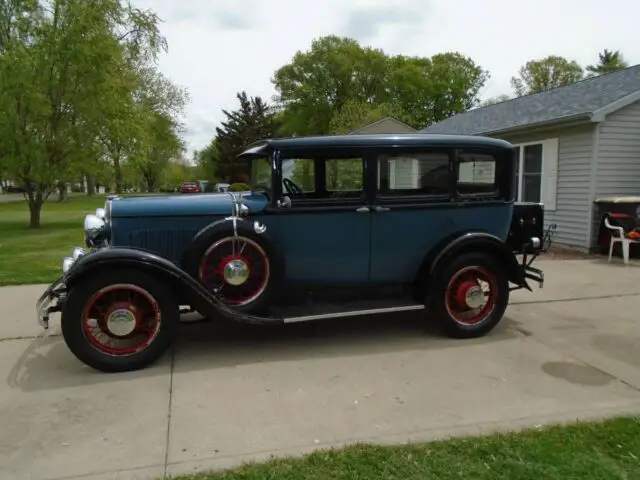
[{"x": 332, "y": 226}]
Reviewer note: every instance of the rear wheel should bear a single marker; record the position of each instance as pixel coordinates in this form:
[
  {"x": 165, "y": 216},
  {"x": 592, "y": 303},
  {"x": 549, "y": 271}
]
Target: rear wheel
[
  {"x": 119, "y": 320},
  {"x": 471, "y": 295}
]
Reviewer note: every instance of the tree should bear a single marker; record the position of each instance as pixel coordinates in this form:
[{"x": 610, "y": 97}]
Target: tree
[
  {"x": 206, "y": 161},
  {"x": 315, "y": 85},
  {"x": 355, "y": 114},
  {"x": 608, "y": 61},
  {"x": 160, "y": 105},
  {"x": 494, "y": 100},
  {"x": 544, "y": 74},
  {"x": 64, "y": 73},
  {"x": 253, "y": 121}
]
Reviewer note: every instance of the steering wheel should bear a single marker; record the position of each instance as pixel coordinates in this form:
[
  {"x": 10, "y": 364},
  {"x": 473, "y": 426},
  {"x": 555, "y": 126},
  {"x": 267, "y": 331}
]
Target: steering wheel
[{"x": 291, "y": 187}]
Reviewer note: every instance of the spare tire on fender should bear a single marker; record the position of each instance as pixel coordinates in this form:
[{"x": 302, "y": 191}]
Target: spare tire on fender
[{"x": 232, "y": 256}]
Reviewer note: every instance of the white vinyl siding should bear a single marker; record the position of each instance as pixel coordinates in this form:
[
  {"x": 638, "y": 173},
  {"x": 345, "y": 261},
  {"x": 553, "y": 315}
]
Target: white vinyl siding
[
  {"x": 568, "y": 204},
  {"x": 618, "y": 157},
  {"x": 403, "y": 173}
]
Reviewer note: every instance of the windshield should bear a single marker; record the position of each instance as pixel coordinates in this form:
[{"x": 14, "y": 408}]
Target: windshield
[{"x": 260, "y": 172}]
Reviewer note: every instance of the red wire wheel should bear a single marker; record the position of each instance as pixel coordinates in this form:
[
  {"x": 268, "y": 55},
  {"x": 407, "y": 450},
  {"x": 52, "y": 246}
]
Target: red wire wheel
[
  {"x": 237, "y": 268},
  {"x": 121, "y": 320},
  {"x": 471, "y": 295}
]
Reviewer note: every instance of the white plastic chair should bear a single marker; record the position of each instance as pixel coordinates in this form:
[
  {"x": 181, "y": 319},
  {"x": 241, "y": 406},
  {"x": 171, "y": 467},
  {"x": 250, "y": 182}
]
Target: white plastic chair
[{"x": 620, "y": 237}]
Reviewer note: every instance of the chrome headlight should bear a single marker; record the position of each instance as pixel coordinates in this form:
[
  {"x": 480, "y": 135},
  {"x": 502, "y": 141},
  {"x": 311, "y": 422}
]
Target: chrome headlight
[
  {"x": 95, "y": 230},
  {"x": 101, "y": 213}
]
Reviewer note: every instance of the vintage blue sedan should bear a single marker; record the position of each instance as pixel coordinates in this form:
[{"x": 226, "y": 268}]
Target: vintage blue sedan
[{"x": 332, "y": 226}]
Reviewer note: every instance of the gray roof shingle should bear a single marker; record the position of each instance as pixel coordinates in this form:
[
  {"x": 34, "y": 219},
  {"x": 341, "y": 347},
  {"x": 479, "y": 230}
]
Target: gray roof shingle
[{"x": 581, "y": 98}]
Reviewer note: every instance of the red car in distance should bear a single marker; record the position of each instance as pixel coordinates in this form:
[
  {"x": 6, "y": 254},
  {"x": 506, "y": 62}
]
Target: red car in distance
[{"x": 191, "y": 187}]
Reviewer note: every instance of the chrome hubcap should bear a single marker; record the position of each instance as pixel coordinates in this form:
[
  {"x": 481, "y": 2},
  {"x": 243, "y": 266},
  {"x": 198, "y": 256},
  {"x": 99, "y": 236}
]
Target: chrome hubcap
[
  {"x": 474, "y": 298},
  {"x": 121, "y": 322},
  {"x": 236, "y": 272}
]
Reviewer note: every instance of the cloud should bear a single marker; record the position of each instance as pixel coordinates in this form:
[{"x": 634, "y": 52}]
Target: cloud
[
  {"x": 231, "y": 16},
  {"x": 366, "y": 23},
  {"x": 219, "y": 48}
]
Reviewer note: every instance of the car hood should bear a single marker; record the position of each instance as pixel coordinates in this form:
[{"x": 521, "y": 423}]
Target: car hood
[{"x": 183, "y": 205}]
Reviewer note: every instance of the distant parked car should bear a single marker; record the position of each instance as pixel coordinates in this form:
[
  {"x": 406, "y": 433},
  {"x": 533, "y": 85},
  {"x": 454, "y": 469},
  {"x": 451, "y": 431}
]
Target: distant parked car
[
  {"x": 190, "y": 187},
  {"x": 221, "y": 187}
]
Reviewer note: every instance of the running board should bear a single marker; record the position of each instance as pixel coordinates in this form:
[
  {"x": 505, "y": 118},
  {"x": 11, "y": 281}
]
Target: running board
[{"x": 300, "y": 313}]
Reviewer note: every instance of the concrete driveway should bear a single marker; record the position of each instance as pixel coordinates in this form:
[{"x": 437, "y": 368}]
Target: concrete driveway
[{"x": 226, "y": 395}]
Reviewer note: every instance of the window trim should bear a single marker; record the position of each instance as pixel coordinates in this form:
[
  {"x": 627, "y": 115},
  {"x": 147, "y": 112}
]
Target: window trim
[{"x": 520, "y": 170}]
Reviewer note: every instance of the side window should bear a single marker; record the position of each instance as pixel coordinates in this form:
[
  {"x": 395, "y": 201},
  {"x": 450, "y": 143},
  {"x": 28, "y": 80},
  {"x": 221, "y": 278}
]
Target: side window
[
  {"x": 414, "y": 174},
  {"x": 344, "y": 177},
  {"x": 301, "y": 172},
  {"x": 476, "y": 174}
]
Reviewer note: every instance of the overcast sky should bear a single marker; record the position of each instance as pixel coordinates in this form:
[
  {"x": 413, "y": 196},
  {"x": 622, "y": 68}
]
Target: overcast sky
[{"x": 218, "y": 48}]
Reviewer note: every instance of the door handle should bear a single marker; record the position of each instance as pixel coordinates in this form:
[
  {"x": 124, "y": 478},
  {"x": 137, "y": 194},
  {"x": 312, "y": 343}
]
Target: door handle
[
  {"x": 363, "y": 210},
  {"x": 378, "y": 208}
]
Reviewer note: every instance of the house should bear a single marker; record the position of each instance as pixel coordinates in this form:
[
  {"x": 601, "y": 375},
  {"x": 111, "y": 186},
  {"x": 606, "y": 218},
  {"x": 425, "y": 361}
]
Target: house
[
  {"x": 384, "y": 125},
  {"x": 574, "y": 144}
]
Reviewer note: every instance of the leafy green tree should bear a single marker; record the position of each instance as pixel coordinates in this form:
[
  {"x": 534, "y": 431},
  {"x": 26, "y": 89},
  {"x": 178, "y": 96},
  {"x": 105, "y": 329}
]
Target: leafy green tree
[
  {"x": 313, "y": 88},
  {"x": 608, "y": 61},
  {"x": 206, "y": 161},
  {"x": 494, "y": 100},
  {"x": 65, "y": 82},
  {"x": 253, "y": 121},
  {"x": 315, "y": 85},
  {"x": 355, "y": 114},
  {"x": 432, "y": 89},
  {"x": 544, "y": 74}
]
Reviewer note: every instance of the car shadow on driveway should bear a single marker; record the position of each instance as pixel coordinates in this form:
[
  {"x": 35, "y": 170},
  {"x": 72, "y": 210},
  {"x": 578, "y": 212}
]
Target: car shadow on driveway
[{"x": 47, "y": 364}]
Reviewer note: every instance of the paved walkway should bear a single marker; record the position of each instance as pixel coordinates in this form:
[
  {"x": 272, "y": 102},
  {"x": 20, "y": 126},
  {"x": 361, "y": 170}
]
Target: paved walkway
[{"x": 229, "y": 395}]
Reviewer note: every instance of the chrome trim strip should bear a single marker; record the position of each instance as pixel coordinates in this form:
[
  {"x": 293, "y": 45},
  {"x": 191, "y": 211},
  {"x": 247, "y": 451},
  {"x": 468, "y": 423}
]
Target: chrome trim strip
[{"x": 353, "y": 313}]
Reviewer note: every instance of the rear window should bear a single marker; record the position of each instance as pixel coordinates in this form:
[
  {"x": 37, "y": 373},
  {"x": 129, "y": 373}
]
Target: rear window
[
  {"x": 189, "y": 184},
  {"x": 476, "y": 174}
]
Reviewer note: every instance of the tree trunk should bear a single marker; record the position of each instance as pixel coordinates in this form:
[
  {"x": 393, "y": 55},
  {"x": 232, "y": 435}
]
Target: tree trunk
[
  {"x": 91, "y": 185},
  {"x": 118, "y": 173},
  {"x": 35, "y": 209},
  {"x": 62, "y": 191}
]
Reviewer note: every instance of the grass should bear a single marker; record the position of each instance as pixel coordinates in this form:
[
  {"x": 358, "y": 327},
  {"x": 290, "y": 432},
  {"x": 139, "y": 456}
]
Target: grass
[
  {"x": 35, "y": 256},
  {"x": 602, "y": 450}
]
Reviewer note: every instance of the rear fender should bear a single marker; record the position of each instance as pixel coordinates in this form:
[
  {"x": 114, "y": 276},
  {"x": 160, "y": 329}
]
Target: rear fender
[
  {"x": 162, "y": 269},
  {"x": 438, "y": 257}
]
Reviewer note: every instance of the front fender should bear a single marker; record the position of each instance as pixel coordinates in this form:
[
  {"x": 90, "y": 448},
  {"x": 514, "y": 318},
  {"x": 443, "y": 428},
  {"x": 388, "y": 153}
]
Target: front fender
[{"x": 161, "y": 269}]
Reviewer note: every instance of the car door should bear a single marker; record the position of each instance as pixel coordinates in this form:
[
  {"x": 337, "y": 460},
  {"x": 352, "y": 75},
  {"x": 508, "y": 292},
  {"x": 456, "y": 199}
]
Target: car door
[
  {"x": 324, "y": 232},
  {"x": 411, "y": 212}
]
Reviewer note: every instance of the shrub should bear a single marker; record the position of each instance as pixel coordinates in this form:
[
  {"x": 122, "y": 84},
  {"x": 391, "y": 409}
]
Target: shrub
[{"x": 238, "y": 187}]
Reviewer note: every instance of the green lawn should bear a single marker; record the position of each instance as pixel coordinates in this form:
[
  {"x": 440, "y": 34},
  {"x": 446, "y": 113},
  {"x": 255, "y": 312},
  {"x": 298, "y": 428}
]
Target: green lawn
[
  {"x": 607, "y": 450},
  {"x": 35, "y": 256}
]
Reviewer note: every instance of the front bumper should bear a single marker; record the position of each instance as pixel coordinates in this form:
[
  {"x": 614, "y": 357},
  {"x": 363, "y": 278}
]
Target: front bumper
[{"x": 52, "y": 300}]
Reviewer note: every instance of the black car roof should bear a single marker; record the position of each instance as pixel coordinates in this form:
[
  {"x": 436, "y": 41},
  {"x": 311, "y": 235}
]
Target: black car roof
[{"x": 374, "y": 140}]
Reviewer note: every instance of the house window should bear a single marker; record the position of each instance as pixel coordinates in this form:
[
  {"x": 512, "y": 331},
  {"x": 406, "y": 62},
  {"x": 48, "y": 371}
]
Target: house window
[
  {"x": 529, "y": 172},
  {"x": 414, "y": 174}
]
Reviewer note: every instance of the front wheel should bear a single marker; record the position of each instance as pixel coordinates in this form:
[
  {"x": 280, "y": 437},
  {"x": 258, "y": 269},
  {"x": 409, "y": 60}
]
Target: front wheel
[
  {"x": 119, "y": 320},
  {"x": 471, "y": 295}
]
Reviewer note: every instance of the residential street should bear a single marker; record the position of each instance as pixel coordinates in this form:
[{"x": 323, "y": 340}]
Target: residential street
[{"x": 227, "y": 395}]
